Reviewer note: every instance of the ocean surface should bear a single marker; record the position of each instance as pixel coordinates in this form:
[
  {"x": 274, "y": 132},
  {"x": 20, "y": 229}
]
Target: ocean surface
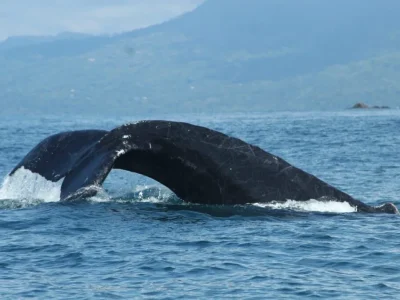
[{"x": 135, "y": 239}]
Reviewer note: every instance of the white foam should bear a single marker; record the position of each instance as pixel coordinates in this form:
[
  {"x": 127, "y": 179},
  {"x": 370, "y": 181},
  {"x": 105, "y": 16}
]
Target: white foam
[
  {"x": 162, "y": 197},
  {"x": 26, "y": 185},
  {"x": 311, "y": 205},
  {"x": 151, "y": 199}
]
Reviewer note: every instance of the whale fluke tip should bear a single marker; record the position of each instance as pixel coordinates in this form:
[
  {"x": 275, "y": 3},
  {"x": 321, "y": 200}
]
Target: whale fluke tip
[{"x": 389, "y": 208}]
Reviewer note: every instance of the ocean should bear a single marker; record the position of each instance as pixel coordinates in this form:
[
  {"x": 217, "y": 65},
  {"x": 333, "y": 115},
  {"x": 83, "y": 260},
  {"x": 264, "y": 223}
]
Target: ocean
[{"x": 135, "y": 239}]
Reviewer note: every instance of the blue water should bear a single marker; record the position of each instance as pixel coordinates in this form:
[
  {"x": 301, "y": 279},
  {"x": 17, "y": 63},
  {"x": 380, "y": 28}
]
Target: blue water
[{"x": 127, "y": 244}]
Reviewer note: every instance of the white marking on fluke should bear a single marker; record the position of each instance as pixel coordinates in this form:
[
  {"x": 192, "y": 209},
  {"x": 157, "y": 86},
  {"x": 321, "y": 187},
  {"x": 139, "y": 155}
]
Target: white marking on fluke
[{"x": 120, "y": 152}]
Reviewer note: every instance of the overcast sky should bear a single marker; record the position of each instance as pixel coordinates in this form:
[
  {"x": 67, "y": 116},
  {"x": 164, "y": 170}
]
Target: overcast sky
[{"x": 49, "y": 17}]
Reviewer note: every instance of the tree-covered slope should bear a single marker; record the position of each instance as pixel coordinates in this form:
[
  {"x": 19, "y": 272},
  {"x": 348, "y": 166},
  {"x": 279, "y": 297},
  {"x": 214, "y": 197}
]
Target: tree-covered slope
[{"x": 227, "y": 55}]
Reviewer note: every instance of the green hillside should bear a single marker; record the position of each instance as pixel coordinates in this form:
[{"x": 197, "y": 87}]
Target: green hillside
[{"x": 224, "y": 56}]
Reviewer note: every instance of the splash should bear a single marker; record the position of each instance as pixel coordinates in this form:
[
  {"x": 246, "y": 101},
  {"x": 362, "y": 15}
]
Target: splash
[
  {"x": 151, "y": 194},
  {"x": 146, "y": 194},
  {"x": 311, "y": 205},
  {"x": 26, "y": 185}
]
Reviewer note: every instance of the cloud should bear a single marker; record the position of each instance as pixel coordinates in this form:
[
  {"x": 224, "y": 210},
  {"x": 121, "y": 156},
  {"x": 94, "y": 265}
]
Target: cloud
[{"x": 49, "y": 17}]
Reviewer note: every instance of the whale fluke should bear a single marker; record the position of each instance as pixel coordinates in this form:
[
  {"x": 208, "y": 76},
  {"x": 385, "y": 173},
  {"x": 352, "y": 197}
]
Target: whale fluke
[{"x": 198, "y": 164}]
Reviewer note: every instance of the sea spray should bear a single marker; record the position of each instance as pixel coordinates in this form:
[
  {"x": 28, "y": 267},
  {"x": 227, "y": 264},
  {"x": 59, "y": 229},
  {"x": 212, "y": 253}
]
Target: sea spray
[
  {"x": 24, "y": 184},
  {"x": 311, "y": 205}
]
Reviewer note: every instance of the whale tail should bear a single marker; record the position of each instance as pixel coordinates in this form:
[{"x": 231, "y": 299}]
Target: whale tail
[{"x": 198, "y": 164}]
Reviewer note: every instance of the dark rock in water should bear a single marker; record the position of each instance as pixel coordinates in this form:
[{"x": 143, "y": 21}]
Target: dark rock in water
[
  {"x": 360, "y": 105},
  {"x": 363, "y": 105}
]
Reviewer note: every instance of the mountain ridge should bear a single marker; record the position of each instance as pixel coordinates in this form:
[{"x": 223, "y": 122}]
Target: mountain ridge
[{"x": 223, "y": 56}]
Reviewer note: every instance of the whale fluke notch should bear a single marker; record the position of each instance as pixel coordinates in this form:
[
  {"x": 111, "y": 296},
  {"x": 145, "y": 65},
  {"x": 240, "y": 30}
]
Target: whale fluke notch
[{"x": 198, "y": 164}]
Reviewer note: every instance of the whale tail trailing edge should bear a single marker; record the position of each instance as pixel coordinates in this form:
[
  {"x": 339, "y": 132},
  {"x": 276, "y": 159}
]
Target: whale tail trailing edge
[{"x": 198, "y": 164}]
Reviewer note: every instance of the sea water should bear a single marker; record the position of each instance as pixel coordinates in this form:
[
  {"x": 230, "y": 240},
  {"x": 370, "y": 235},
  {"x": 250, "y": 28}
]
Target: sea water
[{"x": 135, "y": 239}]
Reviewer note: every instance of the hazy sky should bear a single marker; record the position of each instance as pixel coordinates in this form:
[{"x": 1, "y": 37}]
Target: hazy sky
[{"x": 45, "y": 17}]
